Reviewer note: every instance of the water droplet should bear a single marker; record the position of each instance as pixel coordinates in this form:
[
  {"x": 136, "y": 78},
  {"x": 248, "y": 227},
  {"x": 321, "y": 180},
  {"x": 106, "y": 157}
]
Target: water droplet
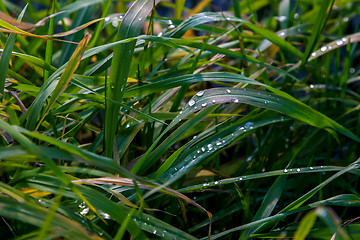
[
  {"x": 323, "y": 48},
  {"x": 267, "y": 102},
  {"x": 218, "y": 143},
  {"x": 140, "y": 19},
  {"x": 84, "y": 211},
  {"x": 285, "y": 170},
  {"x": 234, "y": 100},
  {"x": 128, "y": 125},
  {"x": 154, "y": 231},
  {"x": 171, "y": 26},
  {"x": 203, "y": 149},
  {"x": 311, "y": 86},
  {"x": 160, "y": 34},
  {"x": 198, "y": 151},
  {"x": 213, "y": 101},
  {"x": 170, "y": 22},
  {"x": 115, "y": 23},
  {"x": 344, "y": 40},
  {"x": 345, "y": 19},
  {"x": 204, "y": 104},
  {"x": 227, "y": 18},
  {"x": 296, "y": 16},
  {"x": 313, "y": 54},
  {"x": 199, "y": 94},
  {"x": 298, "y": 169},
  {"x": 194, "y": 136},
  {"x": 194, "y": 156},
  {"x": 206, "y": 184},
  {"x": 281, "y": 34},
  {"x": 107, "y": 19},
  {"x": 192, "y": 102},
  {"x": 210, "y": 147},
  {"x": 175, "y": 169},
  {"x": 120, "y": 17},
  {"x": 240, "y": 179},
  {"x": 180, "y": 119},
  {"x": 352, "y": 70},
  {"x": 339, "y": 42},
  {"x": 282, "y": 18},
  {"x": 216, "y": 182},
  {"x": 228, "y": 91},
  {"x": 248, "y": 125}
]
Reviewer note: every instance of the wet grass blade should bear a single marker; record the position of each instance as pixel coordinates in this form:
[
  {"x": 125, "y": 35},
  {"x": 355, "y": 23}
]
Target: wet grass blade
[{"x": 129, "y": 27}]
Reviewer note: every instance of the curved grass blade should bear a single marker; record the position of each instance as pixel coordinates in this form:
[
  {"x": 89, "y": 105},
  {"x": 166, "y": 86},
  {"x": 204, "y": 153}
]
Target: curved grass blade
[
  {"x": 35, "y": 215},
  {"x": 129, "y": 27},
  {"x": 281, "y": 102}
]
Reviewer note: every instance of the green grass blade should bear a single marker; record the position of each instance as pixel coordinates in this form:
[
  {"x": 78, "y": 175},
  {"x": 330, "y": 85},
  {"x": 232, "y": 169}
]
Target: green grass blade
[{"x": 129, "y": 27}]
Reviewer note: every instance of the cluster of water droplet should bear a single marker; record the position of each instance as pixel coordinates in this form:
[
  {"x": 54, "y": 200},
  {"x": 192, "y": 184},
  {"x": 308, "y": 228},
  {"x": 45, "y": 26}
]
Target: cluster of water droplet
[
  {"x": 114, "y": 20},
  {"x": 84, "y": 209},
  {"x": 323, "y": 49},
  {"x": 146, "y": 225}
]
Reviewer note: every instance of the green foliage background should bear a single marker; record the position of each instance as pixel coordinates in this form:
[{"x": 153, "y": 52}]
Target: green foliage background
[{"x": 119, "y": 121}]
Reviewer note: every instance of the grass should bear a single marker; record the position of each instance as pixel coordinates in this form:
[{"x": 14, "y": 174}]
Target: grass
[{"x": 123, "y": 122}]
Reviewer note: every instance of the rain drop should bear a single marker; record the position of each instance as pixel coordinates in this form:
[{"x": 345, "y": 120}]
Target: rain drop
[
  {"x": 285, "y": 170},
  {"x": 345, "y": 19},
  {"x": 210, "y": 147},
  {"x": 339, "y": 42},
  {"x": 205, "y": 184},
  {"x": 313, "y": 54},
  {"x": 298, "y": 169},
  {"x": 213, "y": 101},
  {"x": 192, "y": 102},
  {"x": 227, "y": 18},
  {"x": 240, "y": 179},
  {"x": 128, "y": 125},
  {"x": 311, "y": 168},
  {"x": 198, "y": 151},
  {"x": 352, "y": 70},
  {"x": 154, "y": 231},
  {"x": 235, "y": 100},
  {"x": 203, "y": 149},
  {"x": 180, "y": 112},
  {"x": 218, "y": 143},
  {"x": 204, "y": 104},
  {"x": 296, "y": 16},
  {"x": 107, "y": 19},
  {"x": 140, "y": 19},
  {"x": 172, "y": 26},
  {"x": 199, "y": 94},
  {"x": 323, "y": 48},
  {"x": 228, "y": 91},
  {"x": 344, "y": 40},
  {"x": 115, "y": 23},
  {"x": 311, "y": 86},
  {"x": 248, "y": 125},
  {"x": 216, "y": 182},
  {"x": 160, "y": 34},
  {"x": 282, "y": 34}
]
